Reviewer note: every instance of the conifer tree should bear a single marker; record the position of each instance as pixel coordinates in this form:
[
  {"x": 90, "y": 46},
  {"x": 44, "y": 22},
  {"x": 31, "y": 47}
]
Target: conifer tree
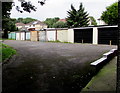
[{"x": 77, "y": 18}]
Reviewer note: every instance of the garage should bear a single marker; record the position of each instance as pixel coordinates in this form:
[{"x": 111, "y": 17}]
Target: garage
[
  {"x": 12, "y": 35},
  {"x": 9, "y": 36},
  {"x": 108, "y": 35},
  {"x": 27, "y": 35},
  {"x": 22, "y": 35},
  {"x": 34, "y": 35},
  {"x": 83, "y": 35},
  {"x": 18, "y": 35},
  {"x": 62, "y": 35},
  {"x": 51, "y": 35},
  {"x": 42, "y": 36}
]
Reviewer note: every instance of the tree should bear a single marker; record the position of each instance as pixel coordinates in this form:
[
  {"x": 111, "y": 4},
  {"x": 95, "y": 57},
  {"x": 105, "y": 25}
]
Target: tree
[
  {"x": 6, "y": 8},
  {"x": 19, "y": 20},
  {"x": 110, "y": 16},
  {"x": 11, "y": 25},
  {"x": 60, "y": 25},
  {"x": 93, "y": 20},
  {"x": 51, "y": 21},
  {"x": 27, "y": 6},
  {"x": 25, "y": 20},
  {"x": 77, "y": 18}
]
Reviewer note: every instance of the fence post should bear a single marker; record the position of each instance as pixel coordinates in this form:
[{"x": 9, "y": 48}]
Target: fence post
[
  {"x": 110, "y": 42},
  {"x": 82, "y": 40}
]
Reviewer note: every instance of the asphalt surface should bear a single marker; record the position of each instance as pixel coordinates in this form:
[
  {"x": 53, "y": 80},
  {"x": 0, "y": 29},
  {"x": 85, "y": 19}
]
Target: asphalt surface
[{"x": 40, "y": 67}]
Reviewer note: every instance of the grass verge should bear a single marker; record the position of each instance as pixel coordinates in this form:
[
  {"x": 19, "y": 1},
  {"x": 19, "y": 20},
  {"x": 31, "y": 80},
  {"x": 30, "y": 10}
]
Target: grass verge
[
  {"x": 7, "y": 51},
  {"x": 105, "y": 80},
  {"x": 57, "y": 41},
  {"x": 6, "y": 39}
]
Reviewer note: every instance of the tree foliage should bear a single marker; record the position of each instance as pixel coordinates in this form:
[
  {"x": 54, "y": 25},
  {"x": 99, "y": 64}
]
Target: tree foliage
[
  {"x": 51, "y": 21},
  {"x": 93, "y": 20},
  {"x": 25, "y": 20},
  {"x": 28, "y": 6},
  {"x": 110, "y": 16},
  {"x": 77, "y": 18},
  {"x": 60, "y": 25},
  {"x": 8, "y": 24},
  {"x": 6, "y": 8}
]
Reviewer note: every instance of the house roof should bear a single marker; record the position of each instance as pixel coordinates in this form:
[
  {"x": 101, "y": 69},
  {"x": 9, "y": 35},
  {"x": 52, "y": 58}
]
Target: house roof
[
  {"x": 20, "y": 24},
  {"x": 62, "y": 20},
  {"x": 36, "y": 22}
]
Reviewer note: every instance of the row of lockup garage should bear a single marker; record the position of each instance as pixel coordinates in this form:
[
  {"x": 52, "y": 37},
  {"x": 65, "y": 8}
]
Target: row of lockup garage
[
  {"x": 93, "y": 35},
  {"x": 44, "y": 35}
]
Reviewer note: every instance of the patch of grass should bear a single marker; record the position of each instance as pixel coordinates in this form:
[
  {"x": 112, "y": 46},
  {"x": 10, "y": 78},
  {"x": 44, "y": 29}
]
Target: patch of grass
[
  {"x": 54, "y": 41},
  {"x": 6, "y": 39},
  {"x": 105, "y": 80},
  {"x": 7, "y": 51},
  {"x": 57, "y": 41}
]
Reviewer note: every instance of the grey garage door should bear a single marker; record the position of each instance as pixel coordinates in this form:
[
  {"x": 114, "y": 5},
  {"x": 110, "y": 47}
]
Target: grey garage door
[
  {"x": 107, "y": 35},
  {"x": 83, "y": 35},
  {"x": 42, "y": 36}
]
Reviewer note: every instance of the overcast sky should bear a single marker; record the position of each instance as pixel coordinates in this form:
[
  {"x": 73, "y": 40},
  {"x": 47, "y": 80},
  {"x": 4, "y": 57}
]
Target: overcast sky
[{"x": 59, "y": 8}]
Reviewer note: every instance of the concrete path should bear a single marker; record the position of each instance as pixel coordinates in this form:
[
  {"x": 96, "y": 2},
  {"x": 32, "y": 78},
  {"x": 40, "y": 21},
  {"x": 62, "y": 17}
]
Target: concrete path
[{"x": 50, "y": 67}]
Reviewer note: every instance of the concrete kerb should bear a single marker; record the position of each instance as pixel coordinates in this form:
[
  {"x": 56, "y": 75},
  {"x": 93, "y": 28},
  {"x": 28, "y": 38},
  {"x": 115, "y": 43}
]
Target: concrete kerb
[{"x": 98, "y": 64}]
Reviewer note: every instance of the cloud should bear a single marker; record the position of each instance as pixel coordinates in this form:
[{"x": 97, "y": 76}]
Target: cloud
[{"x": 59, "y": 8}]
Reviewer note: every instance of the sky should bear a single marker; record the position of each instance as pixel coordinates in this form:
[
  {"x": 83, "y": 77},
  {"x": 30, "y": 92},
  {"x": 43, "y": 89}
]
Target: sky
[{"x": 59, "y": 8}]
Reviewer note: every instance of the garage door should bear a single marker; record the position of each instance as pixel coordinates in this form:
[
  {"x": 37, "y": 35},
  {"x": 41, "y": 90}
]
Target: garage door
[
  {"x": 10, "y": 36},
  {"x": 13, "y": 34},
  {"x": 51, "y": 35},
  {"x": 34, "y": 35},
  {"x": 83, "y": 35},
  {"x": 27, "y": 35},
  {"x": 18, "y": 36},
  {"x": 22, "y": 35},
  {"x": 42, "y": 36},
  {"x": 107, "y": 35}
]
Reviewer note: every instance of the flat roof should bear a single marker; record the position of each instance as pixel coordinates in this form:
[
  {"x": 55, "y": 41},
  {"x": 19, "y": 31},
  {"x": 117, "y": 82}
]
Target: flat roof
[{"x": 101, "y": 26}]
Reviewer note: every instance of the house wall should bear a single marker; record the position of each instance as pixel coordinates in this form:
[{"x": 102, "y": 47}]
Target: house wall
[
  {"x": 101, "y": 22},
  {"x": 19, "y": 27},
  {"x": 27, "y": 26},
  {"x": 62, "y": 35},
  {"x": 71, "y": 35},
  {"x": 51, "y": 35},
  {"x": 38, "y": 27}
]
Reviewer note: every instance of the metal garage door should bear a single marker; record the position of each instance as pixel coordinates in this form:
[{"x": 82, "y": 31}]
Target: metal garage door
[
  {"x": 13, "y": 34},
  {"x": 27, "y": 35},
  {"x": 22, "y": 35},
  {"x": 107, "y": 35},
  {"x": 83, "y": 35},
  {"x": 18, "y": 37},
  {"x": 42, "y": 36},
  {"x": 51, "y": 35},
  {"x": 10, "y": 36}
]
